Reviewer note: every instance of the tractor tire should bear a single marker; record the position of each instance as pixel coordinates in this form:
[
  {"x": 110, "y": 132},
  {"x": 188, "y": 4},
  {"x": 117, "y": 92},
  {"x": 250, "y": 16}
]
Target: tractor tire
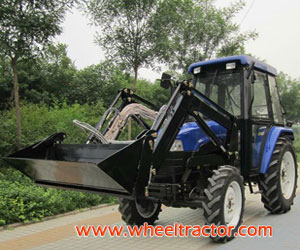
[
  {"x": 138, "y": 213},
  {"x": 278, "y": 185},
  {"x": 225, "y": 200}
]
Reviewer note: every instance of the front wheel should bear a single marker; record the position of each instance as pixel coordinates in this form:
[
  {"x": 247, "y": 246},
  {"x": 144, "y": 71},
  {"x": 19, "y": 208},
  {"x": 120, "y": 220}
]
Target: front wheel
[
  {"x": 279, "y": 184},
  {"x": 138, "y": 212},
  {"x": 225, "y": 200}
]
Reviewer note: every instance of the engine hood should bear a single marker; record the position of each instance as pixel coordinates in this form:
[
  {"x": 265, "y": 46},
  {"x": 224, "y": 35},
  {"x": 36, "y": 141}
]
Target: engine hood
[{"x": 193, "y": 137}]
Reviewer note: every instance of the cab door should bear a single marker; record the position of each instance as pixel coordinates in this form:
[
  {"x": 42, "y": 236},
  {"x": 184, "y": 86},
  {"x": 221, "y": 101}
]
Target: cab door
[
  {"x": 277, "y": 109},
  {"x": 261, "y": 114}
]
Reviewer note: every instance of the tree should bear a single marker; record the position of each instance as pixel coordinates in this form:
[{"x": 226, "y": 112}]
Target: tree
[
  {"x": 5, "y": 84},
  {"x": 187, "y": 31},
  {"x": 289, "y": 91},
  {"x": 175, "y": 32},
  {"x": 125, "y": 30},
  {"x": 56, "y": 72},
  {"x": 44, "y": 78},
  {"x": 97, "y": 82},
  {"x": 25, "y": 28}
]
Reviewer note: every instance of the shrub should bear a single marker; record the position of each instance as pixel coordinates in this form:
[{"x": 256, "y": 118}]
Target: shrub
[
  {"x": 22, "y": 201},
  {"x": 40, "y": 121}
]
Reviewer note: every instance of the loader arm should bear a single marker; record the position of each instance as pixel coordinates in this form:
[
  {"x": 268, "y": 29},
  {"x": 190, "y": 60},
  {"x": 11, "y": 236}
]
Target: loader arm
[
  {"x": 125, "y": 97},
  {"x": 185, "y": 101}
]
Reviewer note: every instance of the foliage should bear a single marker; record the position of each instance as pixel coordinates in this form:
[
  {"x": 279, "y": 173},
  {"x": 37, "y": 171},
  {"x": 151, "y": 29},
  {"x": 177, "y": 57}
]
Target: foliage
[
  {"x": 187, "y": 31},
  {"x": 5, "y": 84},
  {"x": 97, "y": 82},
  {"x": 125, "y": 30},
  {"x": 26, "y": 25},
  {"x": 40, "y": 121},
  {"x": 46, "y": 78},
  {"x": 153, "y": 92},
  {"x": 289, "y": 90},
  {"x": 25, "y": 28},
  {"x": 22, "y": 201},
  {"x": 296, "y": 142},
  {"x": 42, "y": 79},
  {"x": 49, "y": 78},
  {"x": 175, "y": 32},
  {"x": 53, "y": 78}
]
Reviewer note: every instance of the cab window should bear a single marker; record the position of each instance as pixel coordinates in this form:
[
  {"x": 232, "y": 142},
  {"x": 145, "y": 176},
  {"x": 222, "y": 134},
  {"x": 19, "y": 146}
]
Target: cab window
[
  {"x": 276, "y": 106},
  {"x": 259, "y": 106}
]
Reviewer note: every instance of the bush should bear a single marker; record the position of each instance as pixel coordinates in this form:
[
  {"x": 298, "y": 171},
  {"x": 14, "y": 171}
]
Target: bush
[
  {"x": 296, "y": 143},
  {"x": 22, "y": 201},
  {"x": 40, "y": 121}
]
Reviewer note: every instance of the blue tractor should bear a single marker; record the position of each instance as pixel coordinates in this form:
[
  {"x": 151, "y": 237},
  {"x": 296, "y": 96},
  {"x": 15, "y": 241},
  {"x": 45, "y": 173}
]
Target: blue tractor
[{"x": 221, "y": 131}]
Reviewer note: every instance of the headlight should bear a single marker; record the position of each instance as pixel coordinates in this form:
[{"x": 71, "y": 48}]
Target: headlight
[
  {"x": 197, "y": 70},
  {"x": 177, "y": 146}
]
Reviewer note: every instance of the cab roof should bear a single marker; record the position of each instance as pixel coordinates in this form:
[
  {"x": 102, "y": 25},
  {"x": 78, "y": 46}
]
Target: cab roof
[{"x": 243, "y": 59}]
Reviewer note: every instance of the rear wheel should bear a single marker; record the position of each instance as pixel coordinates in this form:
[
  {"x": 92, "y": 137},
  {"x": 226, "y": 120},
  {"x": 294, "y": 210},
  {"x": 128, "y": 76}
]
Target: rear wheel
[
  {"x": 279, "y": 183},
  {"x": 225, "y": 200},
  {"x": 138, "y": 212}
]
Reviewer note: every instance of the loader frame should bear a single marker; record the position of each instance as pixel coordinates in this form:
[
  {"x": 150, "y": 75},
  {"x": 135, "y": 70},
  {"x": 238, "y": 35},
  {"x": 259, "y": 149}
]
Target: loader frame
[{"x": 186, "y": 101}]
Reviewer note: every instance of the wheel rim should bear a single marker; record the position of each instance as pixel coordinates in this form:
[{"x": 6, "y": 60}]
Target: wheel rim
[
  {"x": 287, "y": 175},
  {"x": 233, "y": 204},
  {"x": 146, "y": 208}
]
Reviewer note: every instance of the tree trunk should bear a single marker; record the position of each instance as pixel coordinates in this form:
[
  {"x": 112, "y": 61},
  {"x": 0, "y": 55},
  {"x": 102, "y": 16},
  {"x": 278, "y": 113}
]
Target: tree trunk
[
  {"x": 135, "y": 78},
  {"x": 17, "y": 103}
]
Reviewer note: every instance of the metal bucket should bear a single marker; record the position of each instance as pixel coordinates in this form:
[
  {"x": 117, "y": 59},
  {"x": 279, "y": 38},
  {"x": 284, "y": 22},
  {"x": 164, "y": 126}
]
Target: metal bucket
[{"x": 103, "y": 168}]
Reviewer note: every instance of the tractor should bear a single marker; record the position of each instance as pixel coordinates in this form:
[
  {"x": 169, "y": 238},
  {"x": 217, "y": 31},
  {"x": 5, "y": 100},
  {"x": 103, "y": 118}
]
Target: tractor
[{"x": 220, "y": 132}]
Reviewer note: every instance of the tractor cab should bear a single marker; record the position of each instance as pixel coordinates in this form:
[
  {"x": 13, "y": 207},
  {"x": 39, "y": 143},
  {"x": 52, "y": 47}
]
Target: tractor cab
[
  {"x": 246, "y": 88},
  {"x": 241, "y": 85}
]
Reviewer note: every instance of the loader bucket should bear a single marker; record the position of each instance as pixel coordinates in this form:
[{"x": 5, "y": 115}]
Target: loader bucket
[{"x": 104, "y": 168}]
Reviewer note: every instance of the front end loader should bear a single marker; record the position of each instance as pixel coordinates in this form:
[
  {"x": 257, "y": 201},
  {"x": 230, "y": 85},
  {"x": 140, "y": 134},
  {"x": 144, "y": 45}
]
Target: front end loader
[{"x": 219, "y": 132}]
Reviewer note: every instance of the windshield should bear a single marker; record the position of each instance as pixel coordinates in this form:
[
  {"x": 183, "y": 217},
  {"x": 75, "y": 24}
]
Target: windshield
[{"x": 222, "y": 87}]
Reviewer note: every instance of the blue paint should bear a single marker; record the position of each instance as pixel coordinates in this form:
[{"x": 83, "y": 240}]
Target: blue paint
[
  {"x": 273, "y": 135},
  {"x": 257, "y": 145},
  {"x": 193, "y": 137},
  {"x": 244, "y": 60}
]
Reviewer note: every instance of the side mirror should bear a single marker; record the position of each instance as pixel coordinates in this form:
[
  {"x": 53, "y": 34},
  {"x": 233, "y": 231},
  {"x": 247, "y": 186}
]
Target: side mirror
[
  {"x": 289, "y": 123},
  {"x": 165, "y": 81}
]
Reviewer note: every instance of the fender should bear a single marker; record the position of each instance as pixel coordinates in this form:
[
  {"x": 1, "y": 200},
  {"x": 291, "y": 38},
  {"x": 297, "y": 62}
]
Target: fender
[{"x": 272, "y": 138}]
